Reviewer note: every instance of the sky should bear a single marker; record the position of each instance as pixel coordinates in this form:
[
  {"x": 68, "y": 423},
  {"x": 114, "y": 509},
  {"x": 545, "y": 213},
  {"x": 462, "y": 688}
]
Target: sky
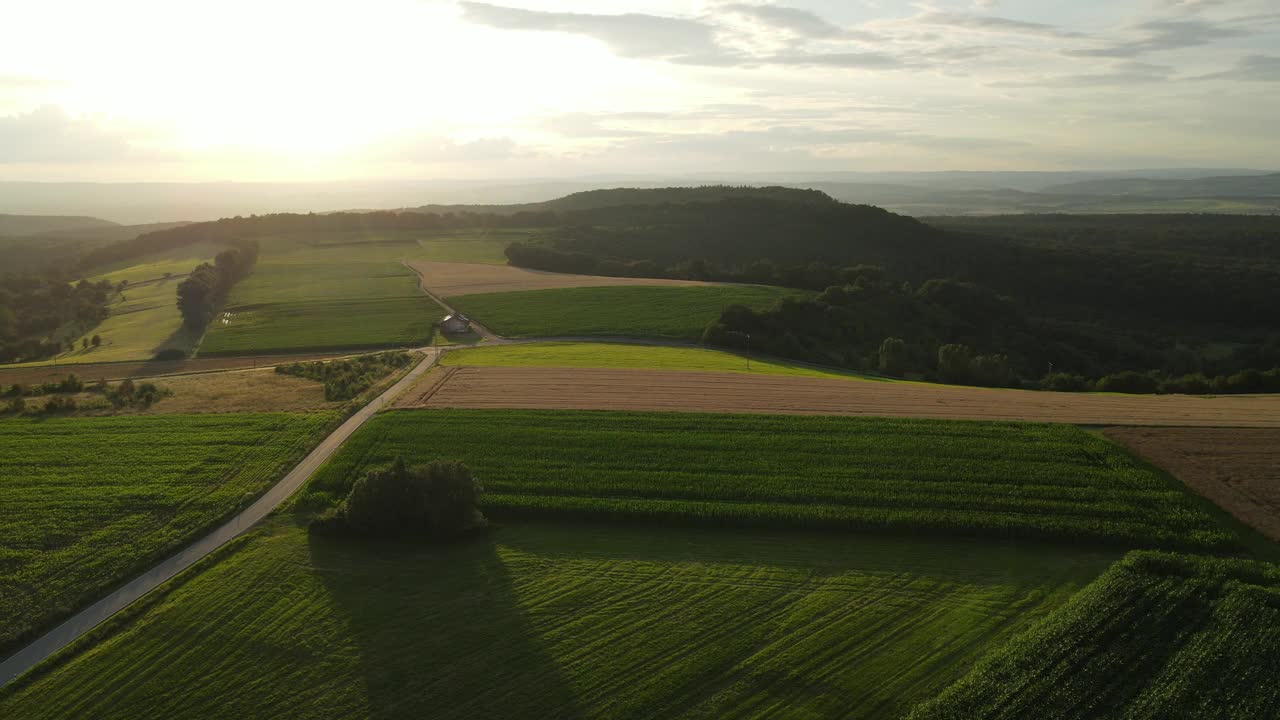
[{"x": 286, "y": 90}]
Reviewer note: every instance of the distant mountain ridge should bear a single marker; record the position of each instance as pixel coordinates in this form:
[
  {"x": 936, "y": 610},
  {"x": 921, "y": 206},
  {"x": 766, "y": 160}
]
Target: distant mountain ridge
[
  {"x": 618, "y": 197},
  {"x": 1256, "y": 186}
]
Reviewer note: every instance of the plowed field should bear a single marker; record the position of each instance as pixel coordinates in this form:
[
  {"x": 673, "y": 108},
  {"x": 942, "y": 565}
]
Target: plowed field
[
  {"x": 1235, "y": 468},
  {"x": 678, "y": 391}
]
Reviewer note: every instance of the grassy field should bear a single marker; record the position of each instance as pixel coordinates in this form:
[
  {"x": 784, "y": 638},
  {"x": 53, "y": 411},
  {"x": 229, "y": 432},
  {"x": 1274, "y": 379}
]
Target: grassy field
[
  {"x": 290, "y": 307},
  {"x": 998, "y": 479},
  {"x": 340, "y": 291},
  {"x": 543, "y": 622},
  {"x": 648, "y": 357},
  {"x": 86, "y": 501},
  {"x": 1157, "y": 636},
  {"x": 680, "y": 313},
  {"x": 144, "y": 319}
]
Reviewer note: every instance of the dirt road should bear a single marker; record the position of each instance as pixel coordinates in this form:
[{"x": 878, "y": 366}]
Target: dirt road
[
  {"x": 690, "y": 391},
  {"x": 88, "y": 618}
]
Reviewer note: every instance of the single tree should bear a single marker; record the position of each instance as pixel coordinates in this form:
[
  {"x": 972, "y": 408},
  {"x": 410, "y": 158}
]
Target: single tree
[
  {"x": 96, "y": 341},
  {"x": 893, "y": 356}
]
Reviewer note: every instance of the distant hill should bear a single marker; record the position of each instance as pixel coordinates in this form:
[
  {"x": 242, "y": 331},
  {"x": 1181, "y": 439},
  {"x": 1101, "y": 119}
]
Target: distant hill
[
  {"x": 32, "y": 251},
  {"x": 619, "y": 197},
  {"x": 24, "y": 225},
  {"x": 1256, "y": 186}
]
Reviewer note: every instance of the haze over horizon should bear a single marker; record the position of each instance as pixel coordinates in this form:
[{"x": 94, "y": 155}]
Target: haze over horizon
[{"x": 145, "y": 90}]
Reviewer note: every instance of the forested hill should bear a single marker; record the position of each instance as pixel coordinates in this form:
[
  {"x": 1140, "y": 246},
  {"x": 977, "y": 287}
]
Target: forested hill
[
  {"x": 23, "y": 225},
  {"x": 616, "y": 197}
]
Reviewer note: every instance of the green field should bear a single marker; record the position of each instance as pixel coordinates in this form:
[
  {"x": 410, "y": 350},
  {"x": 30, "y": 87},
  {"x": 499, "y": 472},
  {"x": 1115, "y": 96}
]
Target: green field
[
  {"x": 679, "y": 313},
  {"x": 291, "y": 306},
  {"x": 993, "y": 479},
  {"x": 1157, "y": 636},
  {"x": 541, "y": 622},
  {"x": 647, "y": 357},
  {"x": 340, "y": 291},
  {"x": 84, "y": 502}
]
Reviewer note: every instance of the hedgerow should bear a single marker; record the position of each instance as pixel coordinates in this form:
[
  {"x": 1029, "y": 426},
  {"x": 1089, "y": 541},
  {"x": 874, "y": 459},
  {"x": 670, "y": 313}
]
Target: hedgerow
[{"x": 345, "y": 379}]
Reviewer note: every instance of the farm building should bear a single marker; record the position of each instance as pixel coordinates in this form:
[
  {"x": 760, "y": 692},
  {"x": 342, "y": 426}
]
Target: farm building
[{"x": 455, "y": 323}]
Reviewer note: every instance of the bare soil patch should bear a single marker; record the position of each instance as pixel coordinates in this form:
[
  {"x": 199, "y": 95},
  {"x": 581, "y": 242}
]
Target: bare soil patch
[
  {"x": 447, "y": 279},
  {"x": 1236, "y": 468},
  {"x": 691, "y": 391},
  {"x": 149, "y": 368}
]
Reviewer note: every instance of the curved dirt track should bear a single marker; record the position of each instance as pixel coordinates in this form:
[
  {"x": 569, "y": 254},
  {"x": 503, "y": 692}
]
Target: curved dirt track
[
  {"x": 447, "y": 279},
  {"x": 692, "y": 391}
]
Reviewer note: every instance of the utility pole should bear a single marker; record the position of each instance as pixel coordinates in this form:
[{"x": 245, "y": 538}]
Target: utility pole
[{"x": 748, "y": 352}]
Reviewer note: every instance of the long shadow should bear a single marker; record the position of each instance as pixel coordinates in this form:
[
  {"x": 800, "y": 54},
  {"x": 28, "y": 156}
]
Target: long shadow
[{"x": 440, "y": 633}]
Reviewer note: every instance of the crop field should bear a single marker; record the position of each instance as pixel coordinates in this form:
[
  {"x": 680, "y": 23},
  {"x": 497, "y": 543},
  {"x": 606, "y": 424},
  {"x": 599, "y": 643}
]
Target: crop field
[
  {"x": 295, "y": 306},
  {"x": 1003, "y": 480},
  {"x": 680, "y": 313},
  {"x": 626, "y": 356},
  {"x": 684, "y": 391},
  {"x": 585, "y": 622},
  {"x": 1157, "y": 635},
  {"x": 450, "y": 279},
  {"x": 1236, "y": 468},
  {"x": 84, "y": 502}
]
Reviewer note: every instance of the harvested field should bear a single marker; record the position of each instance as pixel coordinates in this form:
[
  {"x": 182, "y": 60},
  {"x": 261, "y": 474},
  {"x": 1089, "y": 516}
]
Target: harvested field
[
  {"x": 34, "y": 374},
  {"x": 676, "y": 391},
  {"x": 1235, "y": 468},
  {"x": 447, "y": 279}
]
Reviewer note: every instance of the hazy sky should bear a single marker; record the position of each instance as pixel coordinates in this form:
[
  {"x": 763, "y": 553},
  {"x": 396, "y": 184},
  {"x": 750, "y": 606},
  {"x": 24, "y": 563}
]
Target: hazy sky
[{"x": 320, "y": 89}]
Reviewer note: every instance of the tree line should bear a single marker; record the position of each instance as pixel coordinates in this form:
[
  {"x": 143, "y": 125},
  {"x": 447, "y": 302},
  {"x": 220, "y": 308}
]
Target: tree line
[
  {"x": 33, "y": 306},
  {"x": 957, "y": 332},
  {"x": 206, "y": 288}
]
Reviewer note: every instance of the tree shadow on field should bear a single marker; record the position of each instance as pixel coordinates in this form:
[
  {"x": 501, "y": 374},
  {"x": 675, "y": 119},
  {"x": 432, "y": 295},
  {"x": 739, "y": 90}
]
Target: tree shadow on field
[{"x": 439, "y": 631}]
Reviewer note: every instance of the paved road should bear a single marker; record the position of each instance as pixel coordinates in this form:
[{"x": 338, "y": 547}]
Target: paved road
[{"x": 87, "y": 619}]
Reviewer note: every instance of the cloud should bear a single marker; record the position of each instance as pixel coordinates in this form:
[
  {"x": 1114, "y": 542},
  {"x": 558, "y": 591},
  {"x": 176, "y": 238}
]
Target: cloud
[
  {"x": 1160, "y": 35},
  {"x": 854, "y": 60},
  {"x": 794, "y": 20},
  {"x": 49, "y": 135},
  {"x": 631, "y": 35},
  {"x": 438, "y": 149},
  {"x": 992, "y": 24},
  {"x": 1129, "y": 73},
  {"x": 1251, "y": 68}
]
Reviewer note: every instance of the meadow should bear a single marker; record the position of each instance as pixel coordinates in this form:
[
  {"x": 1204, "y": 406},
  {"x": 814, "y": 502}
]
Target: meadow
[
  {"x": 344, "y": 303},
  {"x": 992, "y": 479},
  {"x": 1157, "y": 635},
  {"x": 646, "y": 357},
  {"x": 677, "y": 313},
  {"x": 539, "y": 621},
  {"x": 85, "y": 502}
]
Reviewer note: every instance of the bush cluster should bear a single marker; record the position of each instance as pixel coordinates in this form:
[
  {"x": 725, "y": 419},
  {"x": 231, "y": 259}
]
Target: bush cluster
[
  {"x": 438, "y": 501},
  {"x": 345, "y": 379}
]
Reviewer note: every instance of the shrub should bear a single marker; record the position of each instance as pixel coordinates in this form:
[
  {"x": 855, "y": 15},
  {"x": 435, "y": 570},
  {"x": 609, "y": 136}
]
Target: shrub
[
  {"x": 953, "y": 363},
  {"x": 57, "y": 404},
  {"x": 437, "y": 500},
  {"x": 17, "y": 405},
  {"x": 1192, "y": 384},
  {"x": 1064, "y": 382},
  {"x": 1129, "y": 382}
]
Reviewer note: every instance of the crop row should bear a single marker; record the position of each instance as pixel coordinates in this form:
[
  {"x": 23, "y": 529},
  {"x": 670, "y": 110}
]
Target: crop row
[
  {"x": 1157, "y": 635},
  {"x": 85, "y": 501},
  {"x": 978, "y": 478}
]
